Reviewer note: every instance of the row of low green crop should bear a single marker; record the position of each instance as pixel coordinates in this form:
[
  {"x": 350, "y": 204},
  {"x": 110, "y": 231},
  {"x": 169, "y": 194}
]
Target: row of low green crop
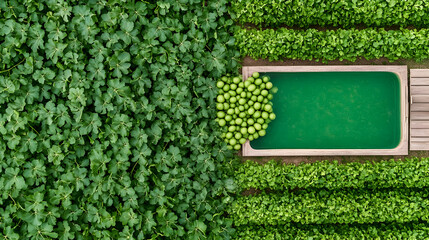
[
  {"x": 318, "y": 206},
  {"x": 410, "y": 231},
  {"x": 345, "y": 13},
  {"x": 341, "y": 44},
  {"x": 410, "y": 173}
]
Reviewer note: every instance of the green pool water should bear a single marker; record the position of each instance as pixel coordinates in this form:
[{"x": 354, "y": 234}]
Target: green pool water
[{"x": 334, "y": 110}]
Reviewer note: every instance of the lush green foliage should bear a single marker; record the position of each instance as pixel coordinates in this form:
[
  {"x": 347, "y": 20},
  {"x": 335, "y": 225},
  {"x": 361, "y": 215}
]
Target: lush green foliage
[
  {"x": 345, "y": 13},
  {"x": 339, "y": 44},
  {"x": 324, "y": 200},
  {"x": 324, "y": 207},
  {"x": 107, "y": 119},
  {"x": 411, "y": 231},
  {"x": 244, "y": 108},
  {"x": 327, "y": 200},
  {"x": 411, "y": 173}
]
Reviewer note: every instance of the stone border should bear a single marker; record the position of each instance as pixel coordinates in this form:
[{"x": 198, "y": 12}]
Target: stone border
[{"x": 401, "y": 149}]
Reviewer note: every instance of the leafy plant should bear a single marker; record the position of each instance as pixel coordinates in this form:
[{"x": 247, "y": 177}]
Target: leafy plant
[
  {"x": 414, "y": 230},
  {"x": 341, "y": 44},
  {"x": 344, "y": 13},
  {"x": 107, "y": 119},
  {"x": 410, "y": 173},
  {"x": 328, "y": 207},
  {"x": 328, "y": 200}
]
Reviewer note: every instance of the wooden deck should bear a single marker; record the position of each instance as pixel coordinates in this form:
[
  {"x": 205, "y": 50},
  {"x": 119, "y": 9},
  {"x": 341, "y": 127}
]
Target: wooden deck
[{"x": 419, "y": 110}]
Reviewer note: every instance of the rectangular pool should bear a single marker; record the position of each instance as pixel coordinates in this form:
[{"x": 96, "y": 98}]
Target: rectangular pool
[{"x": 335, "y": 110}]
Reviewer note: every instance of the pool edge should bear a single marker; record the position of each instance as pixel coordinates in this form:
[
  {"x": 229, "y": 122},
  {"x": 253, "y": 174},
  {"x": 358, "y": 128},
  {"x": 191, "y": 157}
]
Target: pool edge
[{"x": 400, "y": 70}]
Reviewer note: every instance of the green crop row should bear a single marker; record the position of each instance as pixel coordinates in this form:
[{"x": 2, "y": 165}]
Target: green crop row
[
  {"x": 325, "y": 207},
  {"x": 411, "y": 173},
  {"x": 351, "y": 44},
  {"x": 345, "y": 13},
  {"x": 410, "y": 231}
]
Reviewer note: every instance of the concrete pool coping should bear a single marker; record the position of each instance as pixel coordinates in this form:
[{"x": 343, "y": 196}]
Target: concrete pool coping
[{"x": 400, "y": 70}]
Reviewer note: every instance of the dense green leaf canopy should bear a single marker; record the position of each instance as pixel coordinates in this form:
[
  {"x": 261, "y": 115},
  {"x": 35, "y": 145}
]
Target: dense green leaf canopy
[
  {"x": 345, "y": 206},
  {"x": 414, "y": 231},
  {"x": 340, "y": 44},
  {"x": 342, "y": 13},
  {"x": 410, "y": 173},
  {"x": 328, "y": 200},
  {"x": 107, "y": 119}
]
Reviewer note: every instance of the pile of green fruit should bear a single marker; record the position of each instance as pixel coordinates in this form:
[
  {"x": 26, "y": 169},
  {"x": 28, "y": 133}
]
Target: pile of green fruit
[{"x": 244, "y": 108}]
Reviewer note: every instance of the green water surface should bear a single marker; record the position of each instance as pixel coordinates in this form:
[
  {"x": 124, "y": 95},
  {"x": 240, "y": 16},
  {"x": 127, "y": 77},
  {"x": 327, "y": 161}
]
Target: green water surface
[{"x": 334, "y": 110}]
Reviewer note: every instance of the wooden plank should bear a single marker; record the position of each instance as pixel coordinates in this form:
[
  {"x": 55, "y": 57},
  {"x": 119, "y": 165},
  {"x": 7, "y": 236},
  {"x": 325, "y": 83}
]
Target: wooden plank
[
  {"x": 419, "y": 124},
  {"x": 420, "y": 107},
  {"x": 419, "y": 90},
  {"x": 419, "y": 81},
  {"x": 420, "y": 99},
  {"x": 418, "y": 146},
  {"x": 419, "y": 116},
  {"x": 419, "y": 73},
  {"x": 245, "y": 73},
  {"x": 418, "y": 132},
  {"x": 419, "y": 139}
]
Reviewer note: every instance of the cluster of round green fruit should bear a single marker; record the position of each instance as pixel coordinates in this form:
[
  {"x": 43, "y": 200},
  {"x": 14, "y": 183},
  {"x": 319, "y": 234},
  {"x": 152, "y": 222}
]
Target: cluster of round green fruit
[{"x": 244, "y": 108}]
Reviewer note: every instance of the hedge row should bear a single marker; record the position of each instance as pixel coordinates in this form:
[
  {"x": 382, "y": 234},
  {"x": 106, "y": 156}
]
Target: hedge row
[
  {"x": 325, "y": 207},
  {"x": 351, "y": 44},
  {"x": 411, "y": 231},
  {"x": 345, "y": 13},
  {"x": 411, "y": 173}
]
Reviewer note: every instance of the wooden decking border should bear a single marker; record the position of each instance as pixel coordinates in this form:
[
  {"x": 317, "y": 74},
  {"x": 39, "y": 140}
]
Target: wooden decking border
[
  {"x": 401, "y": 149},
  {"x": 419, "y": 114}
]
